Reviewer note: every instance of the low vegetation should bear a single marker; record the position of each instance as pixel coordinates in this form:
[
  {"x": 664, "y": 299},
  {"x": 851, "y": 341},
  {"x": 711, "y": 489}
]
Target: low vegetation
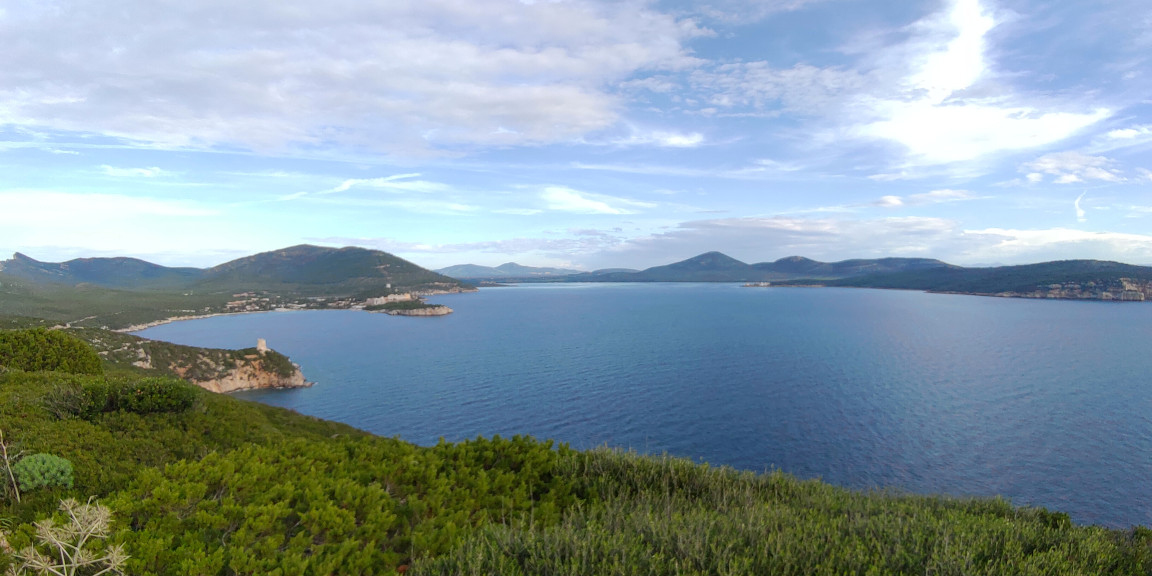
[
  {"x": 40, "y": 349},
  {"x": 403, "y": 305},
  {"x": 187, "y": 482}
]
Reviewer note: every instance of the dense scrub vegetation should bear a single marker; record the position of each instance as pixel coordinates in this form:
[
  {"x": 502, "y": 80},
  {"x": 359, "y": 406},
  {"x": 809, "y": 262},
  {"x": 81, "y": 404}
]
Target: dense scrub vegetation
[
  {"x": 206, "y": 484},
  {"x": 40, "y": 349},
  {"x": 403, "y": 305}
]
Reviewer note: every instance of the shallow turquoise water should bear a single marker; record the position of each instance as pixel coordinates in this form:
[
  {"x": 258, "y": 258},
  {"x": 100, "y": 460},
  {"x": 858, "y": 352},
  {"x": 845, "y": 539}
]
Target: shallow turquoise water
[{"x": 1045, "y": 402}]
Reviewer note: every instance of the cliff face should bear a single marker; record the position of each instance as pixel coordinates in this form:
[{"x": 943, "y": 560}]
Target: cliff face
[
  {"x": 213, "y": 369},
  {"x": 252, "y": 375}
]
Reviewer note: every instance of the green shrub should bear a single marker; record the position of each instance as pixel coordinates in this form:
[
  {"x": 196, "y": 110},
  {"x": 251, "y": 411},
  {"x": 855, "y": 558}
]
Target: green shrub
[
  {"x": 278, "y": 364},
  {"x": 42, "y": 471},
  {"x": 79, "y": 397},
  {"x": 155, "y": 395},
  {"x": 43, "y": 350}
]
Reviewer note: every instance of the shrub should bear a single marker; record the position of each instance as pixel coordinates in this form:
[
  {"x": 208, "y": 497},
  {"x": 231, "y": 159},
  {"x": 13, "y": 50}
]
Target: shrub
[
  {"x": 153, "y": 395},
  {"x": 40, "y": 349},
  {"x": 42, "y": 471},
  {"x": 79, "y": 397}
]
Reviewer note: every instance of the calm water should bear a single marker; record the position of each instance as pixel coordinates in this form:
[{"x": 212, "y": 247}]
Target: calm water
[{"x": 1045, "y": 402}]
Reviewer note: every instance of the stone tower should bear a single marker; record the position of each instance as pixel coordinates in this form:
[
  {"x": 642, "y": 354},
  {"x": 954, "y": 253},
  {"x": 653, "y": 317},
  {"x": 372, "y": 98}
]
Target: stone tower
[{"x": 261, "y": 345}]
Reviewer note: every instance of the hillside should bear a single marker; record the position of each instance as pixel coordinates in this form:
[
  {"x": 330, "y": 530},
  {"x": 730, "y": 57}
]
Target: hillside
[
  {"x": 1061, "y": 279},
  {"x": 123, "y": 292},
  {"x": 718, "y": 267},
  {"x": 200, "y": 483}
]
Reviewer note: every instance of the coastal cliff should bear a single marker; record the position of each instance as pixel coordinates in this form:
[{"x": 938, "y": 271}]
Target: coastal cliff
[
  {"x": 213, "y": 369},
  {"x": 252, "y": 374}
]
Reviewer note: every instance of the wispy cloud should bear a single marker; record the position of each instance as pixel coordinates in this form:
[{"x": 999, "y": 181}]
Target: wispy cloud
[
  {"x": 152, "y": 172},
  {"x": 1071, "y": 168},
  {"x": 924, "y": 198},
  {"x": 395, "y": 183},
  {"x": 565, "y": 199},
  {"x": 1081, "y": 216}
]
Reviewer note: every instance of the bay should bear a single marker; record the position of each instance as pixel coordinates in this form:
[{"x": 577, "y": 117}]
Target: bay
[{"x": 1047, "y": 403}]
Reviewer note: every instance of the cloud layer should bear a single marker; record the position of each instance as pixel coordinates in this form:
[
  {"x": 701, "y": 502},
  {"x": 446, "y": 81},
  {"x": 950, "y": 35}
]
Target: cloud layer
[{"x": 270, "y": 74}]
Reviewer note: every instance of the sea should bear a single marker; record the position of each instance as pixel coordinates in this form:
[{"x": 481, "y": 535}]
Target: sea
[{"x": 1044, "y": 402}]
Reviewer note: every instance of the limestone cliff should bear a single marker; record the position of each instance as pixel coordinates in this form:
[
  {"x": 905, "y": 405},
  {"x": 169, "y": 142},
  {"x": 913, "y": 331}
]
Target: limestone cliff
[
  {"x": 251, "y": 374},
  {"x": 213, "y": 369}
]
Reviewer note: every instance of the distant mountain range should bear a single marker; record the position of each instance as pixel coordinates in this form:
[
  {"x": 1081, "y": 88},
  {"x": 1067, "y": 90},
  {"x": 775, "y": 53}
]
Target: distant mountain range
[
  {"x": 302, "y": 270},
  {"x": 1068, "y": 279},
  {"x": 708, "y": 267}
]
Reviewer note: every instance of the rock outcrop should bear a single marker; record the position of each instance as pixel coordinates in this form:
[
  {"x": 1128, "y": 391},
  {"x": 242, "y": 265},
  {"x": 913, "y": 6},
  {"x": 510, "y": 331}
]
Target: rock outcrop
[
  {"x": 252, "y": 375},
  {"x": 429, "y": 311}
]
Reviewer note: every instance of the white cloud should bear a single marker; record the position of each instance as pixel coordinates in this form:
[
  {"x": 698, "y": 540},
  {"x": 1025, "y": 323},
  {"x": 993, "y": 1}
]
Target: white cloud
[
  {"x": 923, "y": 198},
  {"x": 403, "y": 76},
  {"x": 1081, "y": 216},
  {"x": 1071, "y": 168},
  {"x": 395, "y": 183},
  {"x": 568, "y": 200},
  {"x": 1061, "y": 244},
  {"x": 519, "y": 211},
  {"x": 1145, "y": 174},
  {"x": 939, "y": 118},
  {"x": 1132, "y": 133},
  {"x": 134, "y": 172}
]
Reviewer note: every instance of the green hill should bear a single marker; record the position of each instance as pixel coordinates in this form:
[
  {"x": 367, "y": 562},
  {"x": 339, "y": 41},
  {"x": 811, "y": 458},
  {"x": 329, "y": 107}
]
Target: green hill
[
  {"x": 1019, "y": 279},
  {"x": 718, "y": 267},
  {"x": 122, "y": 292},
  {"x": 207, "y": 484}
]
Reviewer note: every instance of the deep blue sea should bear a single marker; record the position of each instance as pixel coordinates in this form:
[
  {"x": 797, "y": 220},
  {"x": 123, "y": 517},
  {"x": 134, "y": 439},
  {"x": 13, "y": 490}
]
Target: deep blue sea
[{"x": 1045, "y": 402}]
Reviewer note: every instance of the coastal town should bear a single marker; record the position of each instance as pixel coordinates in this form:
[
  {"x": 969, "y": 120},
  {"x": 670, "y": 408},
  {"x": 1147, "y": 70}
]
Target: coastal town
[{"x": 399, "y": 303}]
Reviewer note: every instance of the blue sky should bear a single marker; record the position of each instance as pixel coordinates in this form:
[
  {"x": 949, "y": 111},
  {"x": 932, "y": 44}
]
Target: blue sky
[{"x": 577, "y": 133}]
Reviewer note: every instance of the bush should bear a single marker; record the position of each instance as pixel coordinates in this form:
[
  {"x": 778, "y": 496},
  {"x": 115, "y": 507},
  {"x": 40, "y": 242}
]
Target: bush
[
  {"x": 42, "y": 471},
  {"x": 79, "y": 398},
  {"x": 154, "y": 395},
  {"x": 43, "y": 350}
]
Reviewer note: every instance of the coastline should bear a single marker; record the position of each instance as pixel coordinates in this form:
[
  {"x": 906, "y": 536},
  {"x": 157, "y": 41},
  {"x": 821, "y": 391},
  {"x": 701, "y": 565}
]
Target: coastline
[{"x": 153, "y": 324}]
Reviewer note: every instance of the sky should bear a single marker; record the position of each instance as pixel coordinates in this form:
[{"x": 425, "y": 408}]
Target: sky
[{"x": 578, "y": 133}]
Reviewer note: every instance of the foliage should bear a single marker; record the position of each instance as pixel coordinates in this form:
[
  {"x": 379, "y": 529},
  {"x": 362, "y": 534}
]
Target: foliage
[
  {"x": 39, "y": 471},
  {"x": 402, "y": 305},
  {"x": 154, "y": 395},
  {"x": 277, "y": 363},
  {"x": 110, "y": 449},
  {"x": 88, "y": 397},
  {"x": 355, "y": 506},
  {"x": 73, "y": 546},
  {"x": 1025, "y": 278},
  {"x": 40, "y": 349},
  {"x": 659, "y": 516},
  {"x": 230, "y": 487}
]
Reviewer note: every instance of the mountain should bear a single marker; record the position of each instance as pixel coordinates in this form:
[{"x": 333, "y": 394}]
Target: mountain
[
  {"x": 106, "y": 272},
  {"x": 719, "y": 267},
  {"x": 314, "y": 269},
  {"x": 503, "y": 271},
  {"x": 304, "y": 270}
]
